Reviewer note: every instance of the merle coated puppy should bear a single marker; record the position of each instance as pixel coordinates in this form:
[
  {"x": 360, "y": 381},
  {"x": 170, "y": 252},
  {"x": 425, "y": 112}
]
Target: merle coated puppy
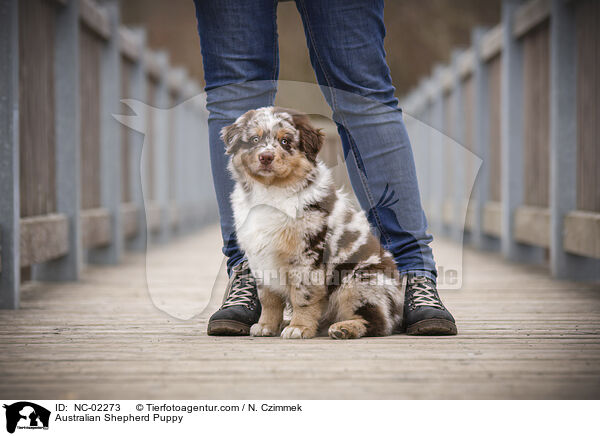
[{"x": 307, "y": 244}]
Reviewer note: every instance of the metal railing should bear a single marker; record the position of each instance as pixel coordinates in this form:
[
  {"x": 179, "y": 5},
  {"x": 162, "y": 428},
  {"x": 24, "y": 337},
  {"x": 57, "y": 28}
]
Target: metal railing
[
  {"x": 525, "y": 98},
  {"x": 75, "y": 185}
]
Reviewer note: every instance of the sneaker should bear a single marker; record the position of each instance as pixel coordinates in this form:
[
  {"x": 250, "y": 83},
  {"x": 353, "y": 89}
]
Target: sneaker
[
  {"x": 240, "y": 308},
  {"x": 424, "y": 313}
]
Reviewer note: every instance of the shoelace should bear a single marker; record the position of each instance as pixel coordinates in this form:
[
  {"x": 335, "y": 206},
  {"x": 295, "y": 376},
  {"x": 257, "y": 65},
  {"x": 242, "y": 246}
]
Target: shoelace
[
  {"x": 424, "y": 294},
  {"x": 243, "y": 287}
]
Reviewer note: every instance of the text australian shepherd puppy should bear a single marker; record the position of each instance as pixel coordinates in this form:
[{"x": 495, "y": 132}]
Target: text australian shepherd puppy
[{"x": 306, "y": 243}]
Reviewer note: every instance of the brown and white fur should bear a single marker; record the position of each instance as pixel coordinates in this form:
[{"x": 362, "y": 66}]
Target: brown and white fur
[{"x": 306, "y": 243}]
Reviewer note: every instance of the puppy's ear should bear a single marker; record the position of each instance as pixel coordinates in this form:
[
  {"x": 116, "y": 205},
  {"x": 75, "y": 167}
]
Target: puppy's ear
[
  {"x": 311, "y": 139},
  {"x": 231, "y": 136}
]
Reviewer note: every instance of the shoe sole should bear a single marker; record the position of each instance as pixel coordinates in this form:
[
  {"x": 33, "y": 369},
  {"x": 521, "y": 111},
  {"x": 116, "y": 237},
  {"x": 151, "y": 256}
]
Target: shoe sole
[
  {"x": 432, "y": 327},
  {"x": 227, "y": 327}
]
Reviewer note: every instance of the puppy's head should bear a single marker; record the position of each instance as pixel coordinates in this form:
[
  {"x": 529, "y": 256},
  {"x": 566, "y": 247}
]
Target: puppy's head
[{"x": 273, "y": 146}]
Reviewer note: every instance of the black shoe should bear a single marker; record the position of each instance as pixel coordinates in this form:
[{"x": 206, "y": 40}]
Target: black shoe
[
  {"x": 424, "y": 313},
  {"x": 240, "y": 308}
]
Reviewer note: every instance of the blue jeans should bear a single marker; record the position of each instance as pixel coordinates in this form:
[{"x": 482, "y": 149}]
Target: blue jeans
[{"x": 345, "y": 41}]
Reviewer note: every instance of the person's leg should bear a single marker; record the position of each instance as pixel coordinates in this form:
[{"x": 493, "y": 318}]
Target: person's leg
[
  {"x": 238, "y": 39},
  {"x": 345, "y": 40},
  {"x": 241, "y": 65}
]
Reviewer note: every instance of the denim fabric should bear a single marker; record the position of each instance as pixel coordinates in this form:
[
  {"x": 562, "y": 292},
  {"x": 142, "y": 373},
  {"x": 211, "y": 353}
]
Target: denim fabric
[{"x": 345, "y": 41}]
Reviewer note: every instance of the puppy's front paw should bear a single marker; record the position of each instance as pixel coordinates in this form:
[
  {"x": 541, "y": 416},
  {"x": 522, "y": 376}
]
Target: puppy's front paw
[
  {"x": 298, "y": 332},
  {"x": 262, "y": 330}
]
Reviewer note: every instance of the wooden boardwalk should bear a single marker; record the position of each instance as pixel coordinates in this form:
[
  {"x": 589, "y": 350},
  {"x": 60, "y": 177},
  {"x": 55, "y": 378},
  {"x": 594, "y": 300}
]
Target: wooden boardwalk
[{"x": 521, "y": 335}]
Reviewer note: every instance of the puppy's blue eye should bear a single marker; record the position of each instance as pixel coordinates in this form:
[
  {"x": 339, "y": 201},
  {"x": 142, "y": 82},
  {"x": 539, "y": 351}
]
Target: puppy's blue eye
[
  {"x": 284, "y": 141},
  {"x": 254, "y": 139}
]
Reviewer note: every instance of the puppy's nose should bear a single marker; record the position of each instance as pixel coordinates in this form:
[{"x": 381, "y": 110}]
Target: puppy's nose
[{"x": 266, "y": 157}]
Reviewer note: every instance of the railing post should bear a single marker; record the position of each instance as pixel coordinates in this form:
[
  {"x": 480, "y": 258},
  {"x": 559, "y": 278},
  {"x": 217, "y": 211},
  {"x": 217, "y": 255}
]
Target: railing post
[
  {"x": 67, "y": 121},
  {"x": 110, "y": 139},
  {"x": 418, "y": 105},
  {"x": 182, "y": 152},
  {"x": 481, "y": 144},
  {"x": 190, "y": 183},
  {"x": 428, "y": 133},
  {"x": 136, "y": 141},
  {"x": 421, "y": 129},
  {"x": 10, "y": 275},
  {"x": 185, "y": 158},
  {"x": 178, "y": 114},
  {"x": 161, "y": 157},
  {"x": 512, "y": 140},
  {"x": 457, "y": 230},
  {"x": 197, "y": 190},
  {"x": 438, "y": 143},
  {"x": 563, "y": 142}
]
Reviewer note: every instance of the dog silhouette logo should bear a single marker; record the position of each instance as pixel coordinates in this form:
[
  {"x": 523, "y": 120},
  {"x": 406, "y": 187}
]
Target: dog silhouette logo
[{"x": 26, "y": 415}]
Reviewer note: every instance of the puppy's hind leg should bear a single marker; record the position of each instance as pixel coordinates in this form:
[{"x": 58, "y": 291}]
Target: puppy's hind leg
[
  {"x": 368, "y": 320},
  {"x": 349, "y": 329}
]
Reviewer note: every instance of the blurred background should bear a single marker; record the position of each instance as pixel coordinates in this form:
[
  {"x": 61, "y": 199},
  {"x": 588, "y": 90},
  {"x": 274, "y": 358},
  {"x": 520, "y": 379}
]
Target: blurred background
[
  {"x": 476, "y": 79},
  {"x": 420, "y": 33}
]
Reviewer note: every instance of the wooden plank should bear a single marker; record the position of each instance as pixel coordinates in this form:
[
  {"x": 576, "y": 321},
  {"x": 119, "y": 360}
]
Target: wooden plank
[
  {"x": 449, "y": 102},
  {"x": 587, "y": 16},
  {"x": 529, "y": 15},
  {"x": 90, "y": 47},
  {"x": 532, "y": 226},
  {"x": 95, "y": 227},
  {"x": 582, "y": 234},
  {"x": 468, "y": 105},
  {"x": 137, "y": 161},
  {"x": 36, "y": 112},
  {"x": 43, "y": 238},
  {"x": 10, "y": 277},
  {"x": 173, "y": 140},
  {"x": 491, "y": 44},
  {"x": 95, "y": 18},
  {"x": 495, "y": 135},
  {"x": 126, "y": 145},
  {"x": 492, "y": 219},
  {"x": 536, "y": 113},
  {"x": 129, "y": 219},
  {"x": 150, "y": 141}
]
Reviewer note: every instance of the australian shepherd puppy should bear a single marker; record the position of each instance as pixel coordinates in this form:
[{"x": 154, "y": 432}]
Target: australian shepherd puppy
[{"x": 306, "y": 243}]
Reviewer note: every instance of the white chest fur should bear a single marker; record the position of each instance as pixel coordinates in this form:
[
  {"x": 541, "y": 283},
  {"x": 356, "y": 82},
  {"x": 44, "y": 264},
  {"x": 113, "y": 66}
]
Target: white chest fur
[
  {"x": 268, "y": 229},
  {"x": 271, "y": 225}
]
